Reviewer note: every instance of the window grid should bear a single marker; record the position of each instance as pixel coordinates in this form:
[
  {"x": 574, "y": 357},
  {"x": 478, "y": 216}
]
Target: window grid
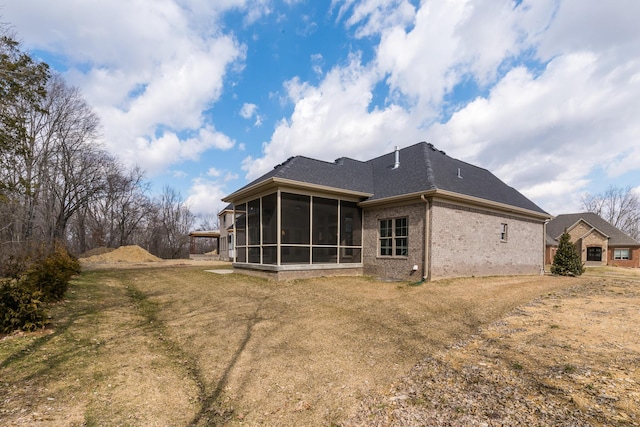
[
  {"x": 394, "y": 237},
  {"x": 621, "y": 254},
  {"x": 503, "y": 232}
]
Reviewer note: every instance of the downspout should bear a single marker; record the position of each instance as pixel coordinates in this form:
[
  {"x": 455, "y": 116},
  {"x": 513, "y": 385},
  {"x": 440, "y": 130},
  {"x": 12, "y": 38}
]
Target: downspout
[
  {"x": 544, "y": 247},
  {"x": 426, "y": 266}
]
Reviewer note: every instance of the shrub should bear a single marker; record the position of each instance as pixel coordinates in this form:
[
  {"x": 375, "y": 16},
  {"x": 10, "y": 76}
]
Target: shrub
[
  {"x": 51, "y": 275},
  {"x": 21, "y": 307},
  {"x": 567, "y": 261}
]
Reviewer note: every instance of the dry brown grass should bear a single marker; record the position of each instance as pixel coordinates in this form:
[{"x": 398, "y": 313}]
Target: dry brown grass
[{"x": 180, "y": 346}]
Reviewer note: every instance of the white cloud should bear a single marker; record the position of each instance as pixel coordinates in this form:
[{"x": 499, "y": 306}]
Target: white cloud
[
  {"x": 156, "y": 154},
  {"x": 248, "y": 110},
  {"x": 205, "y": 197},
  {"x": 371, "y": 17},
  {"x": 214, "y": 172},
  {"x": 251, "y": 110},
  {"x": 149, "y": 68},
  {"x": 333, "y": 120}
]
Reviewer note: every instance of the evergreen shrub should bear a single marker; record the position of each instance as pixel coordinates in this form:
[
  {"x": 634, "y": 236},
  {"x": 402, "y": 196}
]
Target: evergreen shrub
[{"x": 567, "y": 261}]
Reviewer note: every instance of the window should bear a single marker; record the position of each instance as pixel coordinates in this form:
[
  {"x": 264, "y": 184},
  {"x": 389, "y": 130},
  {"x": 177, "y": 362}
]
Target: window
[
  {"x": 621, "y": 254},
  {"x": 394, "y": 237},
  {"x": 503, "y": 232}
]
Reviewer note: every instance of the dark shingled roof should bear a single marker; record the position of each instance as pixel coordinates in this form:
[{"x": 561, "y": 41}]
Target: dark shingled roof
[
  {"x": 344, "y": 173},
  {"x": 556, "y": 227},
  {"x": 421, "y": 168}
]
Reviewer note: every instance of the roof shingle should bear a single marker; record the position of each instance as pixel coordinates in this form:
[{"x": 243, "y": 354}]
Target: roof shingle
[
  {"x": 422, "y": 167},
  {"x": 556, "y": 227}
]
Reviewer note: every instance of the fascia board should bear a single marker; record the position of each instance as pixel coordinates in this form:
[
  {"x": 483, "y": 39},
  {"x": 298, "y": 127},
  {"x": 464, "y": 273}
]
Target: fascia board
[{"x": 275, "y": 182}]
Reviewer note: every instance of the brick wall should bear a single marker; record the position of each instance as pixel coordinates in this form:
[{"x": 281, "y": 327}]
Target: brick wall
[
  {"x": 634, "y": 262},
  {"x": 467, "y": 242},
  {"x": 394, "y": 267}
]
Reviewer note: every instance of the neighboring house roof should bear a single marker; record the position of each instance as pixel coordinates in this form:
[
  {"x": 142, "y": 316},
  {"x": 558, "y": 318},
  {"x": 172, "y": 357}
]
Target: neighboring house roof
[
  {"x": 556, "y": 227},
  {"x": 227, "y": 208},
  {"x": 421, "y": 168}
]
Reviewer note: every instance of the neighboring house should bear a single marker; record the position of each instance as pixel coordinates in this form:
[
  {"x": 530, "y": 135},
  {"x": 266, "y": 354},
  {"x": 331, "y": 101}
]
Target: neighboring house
[
  {"x": 412, "y": 214},
  {"x": 598, "y": 242},
  {"x": 225, "y": 223}
]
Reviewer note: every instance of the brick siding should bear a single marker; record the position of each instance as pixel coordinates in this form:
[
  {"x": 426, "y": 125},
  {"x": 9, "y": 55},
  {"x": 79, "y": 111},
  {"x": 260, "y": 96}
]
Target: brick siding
[{"x": 464, "y": 242}]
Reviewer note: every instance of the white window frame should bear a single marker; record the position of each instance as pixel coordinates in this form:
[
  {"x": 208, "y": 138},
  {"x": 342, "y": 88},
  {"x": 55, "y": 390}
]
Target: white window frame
[
  {"x": 618, "y": 254},
  {"x": 504, "y": 232},
  {"x": 395, "y": 238}
]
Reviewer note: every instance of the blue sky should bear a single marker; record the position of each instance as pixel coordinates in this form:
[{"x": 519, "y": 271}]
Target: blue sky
[{"x": 207, "y": 95}]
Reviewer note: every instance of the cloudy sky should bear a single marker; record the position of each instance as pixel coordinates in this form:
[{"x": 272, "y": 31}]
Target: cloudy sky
[{"x": 206, "y": 95}]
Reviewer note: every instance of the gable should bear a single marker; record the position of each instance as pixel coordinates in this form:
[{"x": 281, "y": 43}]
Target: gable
[{"x": 586, "y": 221}]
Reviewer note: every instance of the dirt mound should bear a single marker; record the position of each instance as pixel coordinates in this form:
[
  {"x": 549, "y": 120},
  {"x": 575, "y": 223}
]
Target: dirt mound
[
  {"x": 132, "y": 253},
  {"x": 96, "y": 251}
]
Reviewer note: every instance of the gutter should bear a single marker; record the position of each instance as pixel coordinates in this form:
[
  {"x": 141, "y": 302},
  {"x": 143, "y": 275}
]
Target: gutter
[{"x": 426, "y": 266}]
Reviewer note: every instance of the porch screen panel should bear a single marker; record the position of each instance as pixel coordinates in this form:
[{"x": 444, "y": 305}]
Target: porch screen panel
[
  {"x": 350, "y": 224},
  {"x": 269, "y": 254},
  {"x": 295, "y": 255},
  {"x": 241, "y": 254},
  {"x": 253, "y": 222},
  {"x": 253, "y": 255},
  {"x": 350, "y": 255},
  {"x": 325, "y": 255},
  {"x": 241, "y": 225},
  {"x": 269, "y": 220},
  {"x": 295, "y": 220},
  {"x": 325, "y": 221}
]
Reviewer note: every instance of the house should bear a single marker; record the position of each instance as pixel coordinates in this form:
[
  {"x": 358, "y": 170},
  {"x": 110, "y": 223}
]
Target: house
[
  {"x": 226, "y": 223},
  {"x": 598, "y": 242},
  {"x": 412, "y": 214}
]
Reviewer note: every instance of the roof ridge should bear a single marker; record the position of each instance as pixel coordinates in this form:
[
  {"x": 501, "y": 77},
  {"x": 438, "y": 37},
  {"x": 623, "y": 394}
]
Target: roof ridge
[{"x": 429, "y": 169}]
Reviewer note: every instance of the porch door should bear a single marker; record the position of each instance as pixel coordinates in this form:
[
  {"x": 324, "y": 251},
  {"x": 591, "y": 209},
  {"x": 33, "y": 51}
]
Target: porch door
[{"x": 594, "y": 254}]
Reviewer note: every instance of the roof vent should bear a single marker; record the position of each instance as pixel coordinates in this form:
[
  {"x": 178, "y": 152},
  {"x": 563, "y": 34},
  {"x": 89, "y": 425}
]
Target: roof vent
[
  {"x": 396, "y": 165},
  {"x": 459, "y": 175}
]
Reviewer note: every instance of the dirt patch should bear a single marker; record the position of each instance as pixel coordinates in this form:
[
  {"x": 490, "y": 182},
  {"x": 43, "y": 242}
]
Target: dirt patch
[
  {"x": 131, "y": 253},
  {"x": 96, "y": 251},
  {"x": 568, "y": 358}
]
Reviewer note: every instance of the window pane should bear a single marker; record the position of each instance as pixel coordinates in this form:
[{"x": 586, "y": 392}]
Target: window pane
[
  {"x": 325, "y": 221},
  {"x": 269, "y": 255},
  {"x": 402, "y": 229},
  {"x": 254, "y": 255},
  {"x": 350, "y": 255},
  {"x": 621, "y": 254},
  {"x": 295, "y": 255},
  {"x": 385, "y": 247},
  {"x": 324, "y": 255},
  {"x": 253, "y": 222},
  {"x": 401, "y": 246},
  {"x": 269, "y": 219},
  {"x": 295, "y": 218},
  {"x": 241, "y": 224},
  {"x": 385, "y": 228},
  {"x": 350, "y": 224}
]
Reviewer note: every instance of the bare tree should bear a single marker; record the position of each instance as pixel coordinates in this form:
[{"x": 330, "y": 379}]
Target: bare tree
[
  {"x": 619, "y": 206},
  {"x": 170, "y": 225},
  {"x": 116, "y": 218}
]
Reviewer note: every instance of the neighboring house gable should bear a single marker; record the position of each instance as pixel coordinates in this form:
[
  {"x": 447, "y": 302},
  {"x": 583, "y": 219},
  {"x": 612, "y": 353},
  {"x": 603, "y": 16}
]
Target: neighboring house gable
[
  {"x": 598, "y": 241},
  {"x": 413, "y": 213}
]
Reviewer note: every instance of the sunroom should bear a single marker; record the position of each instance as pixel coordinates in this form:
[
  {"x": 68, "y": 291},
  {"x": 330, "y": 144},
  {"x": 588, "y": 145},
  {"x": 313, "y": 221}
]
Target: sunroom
[{"x": 293, "y": 232}]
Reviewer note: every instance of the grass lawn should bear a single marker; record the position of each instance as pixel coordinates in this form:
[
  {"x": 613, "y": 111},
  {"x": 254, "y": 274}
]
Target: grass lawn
[{"x": 181, "y": 346}]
